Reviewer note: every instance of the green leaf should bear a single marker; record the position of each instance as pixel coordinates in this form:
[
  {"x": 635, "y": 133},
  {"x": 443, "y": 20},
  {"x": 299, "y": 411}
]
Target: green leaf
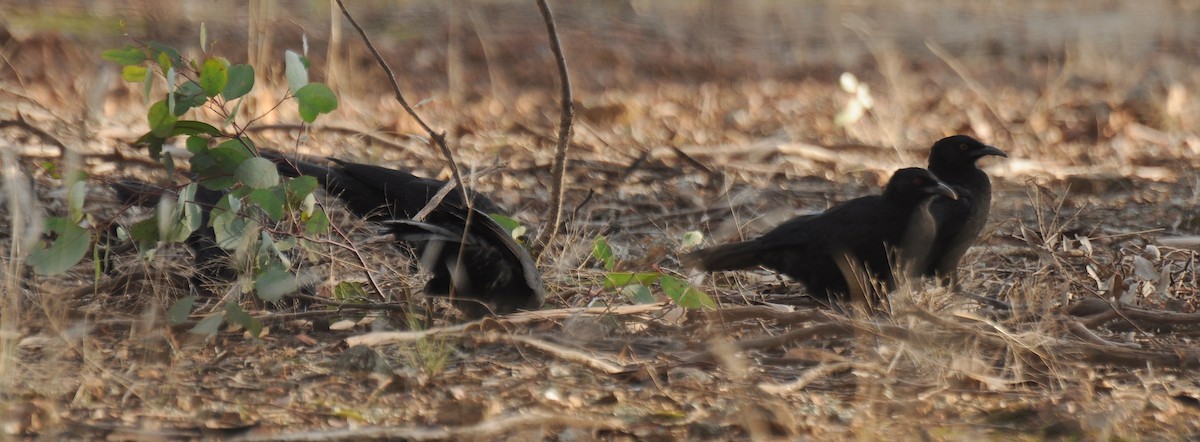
[
  {"x": 68, "y": 248},
  {"x": 168, "y": 161},
  {"x": 187, "y": 127},
  {"x": 270, "y": 201},
  {"x": 349, "y": 291},
  {"x": 134, "y": 73},
  {"x": 691, "y": 239},
  {"x": 241, "y": 81},
  {"x": 203, "y": 37},
  {"x": 190, "y": 127},
  {"x": 208, "y": 326},
  {"x": 217, "y": 166},
  {"x": 166, "y": 56},
  {"x": 299, "y": 188},
  {"x": 214, "y": 75},
  {"x": 308, "y": 205},
  {"x": 126, "y": 56},
  {"x": 507, "y": 223},
  {"x": 179, "y": 311},
  {"x": 266, "y": 251},
  {"x": 638, "y": 293},
  {"x": 236, "y": 315},
  {"x": 602, "y": 252},
  {"x": 171, "y": 97},
  {"x": 275, "y": 282},
  {"x": 315, "y": 99},
  {"x": 76, "y": 194},
  {"x": 621, "y": 279},
  {"x": 228, "y": 227},
  {"x": 145, "y": 233},
  {"x": 184, "y": 216},
  {"x": 295, "y": 71},
  {"x": 147, "y": 85},
  {"x": 51, "y": 169},
  {"x": 161, "y": 120},
  {"x": 233, "y": 113},
  {"x": 512, "y": 226},
  {"x": 316, "y": 224},
  {"x": 190, "y": 95},
  {"x": 685, "y": 295},
  {"x": 258, "y": 173},
  {"x": 196, "y": 144}
]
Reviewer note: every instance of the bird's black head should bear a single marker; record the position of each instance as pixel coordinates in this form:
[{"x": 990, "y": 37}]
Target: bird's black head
[
  {"x": 959, "y": 152},
  {"x": 915, "y": 184}
]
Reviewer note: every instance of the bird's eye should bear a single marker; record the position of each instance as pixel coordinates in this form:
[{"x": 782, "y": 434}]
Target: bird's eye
[
  {"x": 918, "y": 182},
  {"x": 962, "y": 147}
]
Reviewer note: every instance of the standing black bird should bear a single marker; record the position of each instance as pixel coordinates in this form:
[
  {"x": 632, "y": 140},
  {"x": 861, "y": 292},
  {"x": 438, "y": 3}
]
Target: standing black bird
[
  {"x": 494, "y": 270},
  {"x": 818, "y": 250},
  {"x": 960, "y": 221}
]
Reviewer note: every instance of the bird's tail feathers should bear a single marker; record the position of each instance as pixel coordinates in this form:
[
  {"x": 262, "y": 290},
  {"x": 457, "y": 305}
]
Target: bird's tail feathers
[
  {"x": 132, "y": 192},
  {"x": 735, "y": 256},
  {"x": 294, "y": 167},
  {"x": 416, "y": 231}
]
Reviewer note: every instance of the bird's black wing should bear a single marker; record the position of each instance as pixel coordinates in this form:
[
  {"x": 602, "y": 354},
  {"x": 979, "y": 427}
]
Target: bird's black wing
[
  {"x": 842, "y": 225},
  {"x": 408, "y": 193},
  {"x": 495, "y": 268},
  {"x": 952, "y": 215}
]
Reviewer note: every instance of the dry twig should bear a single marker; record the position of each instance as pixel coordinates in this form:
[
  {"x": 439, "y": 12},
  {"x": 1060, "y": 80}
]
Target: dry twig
[
  {"x": 21, "y": 123},
  {"x": 386, "y": 338},
  {"x": 486, "y": 430},
  {"x": 564, "y": 135},
  {"x": 808, "y": 377},
  {"x": 568, "y": 354},
  {"x": 439, "y": 139}
]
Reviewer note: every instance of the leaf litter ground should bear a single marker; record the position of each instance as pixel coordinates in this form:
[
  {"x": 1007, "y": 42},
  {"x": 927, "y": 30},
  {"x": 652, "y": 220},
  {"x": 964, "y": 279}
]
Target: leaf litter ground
[{"x": 1097, "y": 204}]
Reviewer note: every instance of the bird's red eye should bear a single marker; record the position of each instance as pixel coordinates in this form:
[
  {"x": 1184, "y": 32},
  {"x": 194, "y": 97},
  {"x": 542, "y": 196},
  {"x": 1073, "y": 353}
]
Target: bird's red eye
[
  {"x": 918, "y": 182},
  {"x": 962, "y": 147}
]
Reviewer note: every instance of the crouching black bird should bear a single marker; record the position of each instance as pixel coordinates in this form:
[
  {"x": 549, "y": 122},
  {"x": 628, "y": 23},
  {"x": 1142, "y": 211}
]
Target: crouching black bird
[
  {"x": 211, "y": 262},
  {"x": 960, "y": 221},
  {"x": 829, "y": 252},
  {"x": 492, "y": 269}
]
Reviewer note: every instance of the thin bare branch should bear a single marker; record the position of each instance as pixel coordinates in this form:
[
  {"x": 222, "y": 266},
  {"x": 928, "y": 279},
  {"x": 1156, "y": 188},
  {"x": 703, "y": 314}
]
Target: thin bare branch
[
  {"x": 564, "y": 135},
  {"x": 439, "y": 138}
]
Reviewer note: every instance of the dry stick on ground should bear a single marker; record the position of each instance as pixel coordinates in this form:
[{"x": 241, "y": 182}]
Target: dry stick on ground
[
  {"x": 734, "y": 314},
  {"x": 809, "y": 377},
  {"x": 603, "y": 364},
  {"x": 20, "y": 122},
  {"x": 385, "y": 338},
  {"x": 486, "y": 430},
  {"x": 564, "y": 135}
]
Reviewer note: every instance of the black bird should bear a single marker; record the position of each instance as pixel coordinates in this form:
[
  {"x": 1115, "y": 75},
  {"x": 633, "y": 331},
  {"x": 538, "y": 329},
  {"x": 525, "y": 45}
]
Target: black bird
[
  {"x": 495, "y": 270},
  {"x": 960, "y": 221},
  {"x": 373, "y": 192},
  {"x": 211, "y": 262},
  {"x": 820, "y": 250}
]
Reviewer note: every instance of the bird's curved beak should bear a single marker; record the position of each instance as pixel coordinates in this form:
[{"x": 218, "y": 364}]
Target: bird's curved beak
[
  {"x": 989, "y": 150},
  {"x": 943, "y": 190}
]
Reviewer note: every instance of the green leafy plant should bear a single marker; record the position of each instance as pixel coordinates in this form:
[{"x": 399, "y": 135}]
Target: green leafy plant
[
  {"x": 255, "y": 202},
  {"x": 637, "y": 285}
]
